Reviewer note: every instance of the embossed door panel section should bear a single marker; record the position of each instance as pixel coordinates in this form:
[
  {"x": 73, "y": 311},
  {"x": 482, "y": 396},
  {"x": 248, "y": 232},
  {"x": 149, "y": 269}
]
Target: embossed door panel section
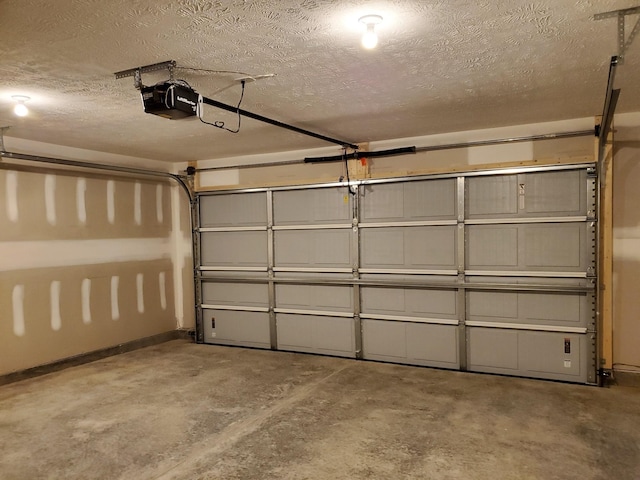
[
  {"x": 550, "y": 355},
  {"x": 532, "y": 234},
  {"x": 553, "y": 194},
  {"x": 543, "y": 247},
  {"x": 414, "y": 326},
  {"x": 428, "y": 249},
  {"x": 245, "y": 249},
  {"x": 233, "y": 245},
  {"x": 315, "y": 319},
  {"x": 409, "y": 232},
  {"x": 236, "y": 327},
  {"x": 409, "y": 201},
  {"x": 233, "y": 210},
  {"x": 320, "y": 206},
  {"x": 313, "y": 239},
  {"x": 301, "y": 250},
  {"x": 528, "y": 308}
]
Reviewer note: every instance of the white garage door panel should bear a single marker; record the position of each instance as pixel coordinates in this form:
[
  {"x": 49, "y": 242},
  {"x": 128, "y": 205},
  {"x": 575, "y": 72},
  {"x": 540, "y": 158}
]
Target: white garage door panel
[
  {"x": 320, "y": 205},
  {"x": 409, "y": 201},
  {"x": 555, "y": 193},
  {"x": 233, "y": 210},
  {"x": 316, "y": 334},
  {"x": 313, "y": 248},
  {"x": 234, "y": 249},
  {"x": 556, "y": 246},
  {"x": 235, "y": 294},
  {"x": 413, "y": 343},
  {"x": 555, "y": 356},
  {"x": 409, "y": 247},
  {"x": 492, "y": 196},
  {"x": 315, "y": 297},
  {"x": 492, "y": 246},
  {"x": 555, "y": 309},
  {"x": 226, "y": 327},
  {"x": 495, "y": 349},
  {"x": 539, "y": 194},
  {"x": 551, "y": 247},
  {"x": 409, "y": 302}
]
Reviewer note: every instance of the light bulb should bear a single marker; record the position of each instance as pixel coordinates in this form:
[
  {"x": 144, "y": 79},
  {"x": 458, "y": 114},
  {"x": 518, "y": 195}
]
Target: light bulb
[
  {"x": 21, "y": 110},
  {"x": 370, "y": 39}
]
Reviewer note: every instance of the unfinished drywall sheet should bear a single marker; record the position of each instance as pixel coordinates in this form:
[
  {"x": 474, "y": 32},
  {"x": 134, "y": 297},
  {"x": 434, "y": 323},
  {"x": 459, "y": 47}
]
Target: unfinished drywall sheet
[
  {"x": 626, "y": 247},
  {"x": 86, "y": 264}
]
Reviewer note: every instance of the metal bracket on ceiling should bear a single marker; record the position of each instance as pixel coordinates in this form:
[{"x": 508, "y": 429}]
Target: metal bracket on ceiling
[
  {"x": 137, "y": 72},
  {"x": 623, "y": 42}
]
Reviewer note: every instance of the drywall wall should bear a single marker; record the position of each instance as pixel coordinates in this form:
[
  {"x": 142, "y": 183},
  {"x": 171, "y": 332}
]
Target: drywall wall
[
  {"x": 88, "y": 261},
  {"x": 626, "y": 243},
  {"x": 560, "y": 150}
]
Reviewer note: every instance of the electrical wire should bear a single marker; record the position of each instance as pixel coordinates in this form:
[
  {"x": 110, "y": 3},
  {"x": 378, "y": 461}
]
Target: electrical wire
[
  {"x": 219, "y": 123},
  {"x": 346, "y": 165},
  {"x": 214, "y": 71}
]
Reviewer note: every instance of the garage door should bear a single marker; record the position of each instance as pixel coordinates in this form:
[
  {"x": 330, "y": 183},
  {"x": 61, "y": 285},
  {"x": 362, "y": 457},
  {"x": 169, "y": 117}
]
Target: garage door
[{"x": 490, "y": 272}]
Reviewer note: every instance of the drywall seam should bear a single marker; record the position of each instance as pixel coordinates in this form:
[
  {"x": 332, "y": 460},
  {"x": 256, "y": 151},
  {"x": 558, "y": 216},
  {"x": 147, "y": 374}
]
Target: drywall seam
[
  {"x": 162, "y": 283},
  {"x": 140, "y": 292},
  {"x": 137, "y": 203},
  {"x": 56, "y": 318},
  {"x": 17, "y": 300},
  {"x": 111, "y": 201},
  {"x": 86, "y": 301},
  {"x": 50, "y": 198},
  {"x": 12, "y": 196},
  {"x": 81, "y": 204},
  {"x": 178, "y": 255},
  {"x": 115, "y": 308},
  {"x": 159, "y": 205}
]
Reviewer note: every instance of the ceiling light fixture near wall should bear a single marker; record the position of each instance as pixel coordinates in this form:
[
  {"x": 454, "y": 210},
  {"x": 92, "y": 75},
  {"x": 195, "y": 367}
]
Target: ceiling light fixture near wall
[
  {"x": 21, "y": 109},
  {"x": 370, "y": 37}
]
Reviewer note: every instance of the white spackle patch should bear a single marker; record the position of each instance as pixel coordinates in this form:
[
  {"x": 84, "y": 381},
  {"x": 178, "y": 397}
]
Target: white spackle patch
[
  {"x": 159, "y": 209},
  {"x": 17, "y": 299},
  {"x": 86, "y": 301},
  {"x": 12, "y": 196},
  {"x": 140, "y": 291},
  {"x": 81, "y": 205},
  {"x": 137, "y": 203},
  {"x": 50, "y": 198},
  {"x": 162, "y": 282},
  {"x": 115, "y": 309},
  {"x": 56, "y": 319},
  {"x": 111, "y": 201}
]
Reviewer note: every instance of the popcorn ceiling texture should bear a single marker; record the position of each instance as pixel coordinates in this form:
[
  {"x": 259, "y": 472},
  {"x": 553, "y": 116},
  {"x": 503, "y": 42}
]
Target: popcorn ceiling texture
[{"x": 441, "y": 66}]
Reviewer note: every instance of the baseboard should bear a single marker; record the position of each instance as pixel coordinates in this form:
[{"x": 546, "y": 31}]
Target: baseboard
[
  {"x": 627, "y": 378},
  {"x": 94, "y": 355}
]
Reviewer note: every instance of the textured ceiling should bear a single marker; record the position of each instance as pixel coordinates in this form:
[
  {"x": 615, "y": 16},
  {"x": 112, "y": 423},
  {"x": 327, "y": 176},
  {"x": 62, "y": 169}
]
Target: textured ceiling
[{"x": 441, "y": 65}]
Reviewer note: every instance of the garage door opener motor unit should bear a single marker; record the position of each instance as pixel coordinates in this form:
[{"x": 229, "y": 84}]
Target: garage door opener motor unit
[{"x": 170, "y": 100}]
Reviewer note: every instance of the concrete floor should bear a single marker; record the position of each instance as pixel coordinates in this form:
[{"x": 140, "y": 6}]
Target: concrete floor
[{"x": 185, "y": 411}]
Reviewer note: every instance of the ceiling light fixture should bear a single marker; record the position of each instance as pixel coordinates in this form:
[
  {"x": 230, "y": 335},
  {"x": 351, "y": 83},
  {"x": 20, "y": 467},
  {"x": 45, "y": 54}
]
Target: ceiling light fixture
[
  {"x": 21, "y": 109},
  {"x": 370, "y": 38}
]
